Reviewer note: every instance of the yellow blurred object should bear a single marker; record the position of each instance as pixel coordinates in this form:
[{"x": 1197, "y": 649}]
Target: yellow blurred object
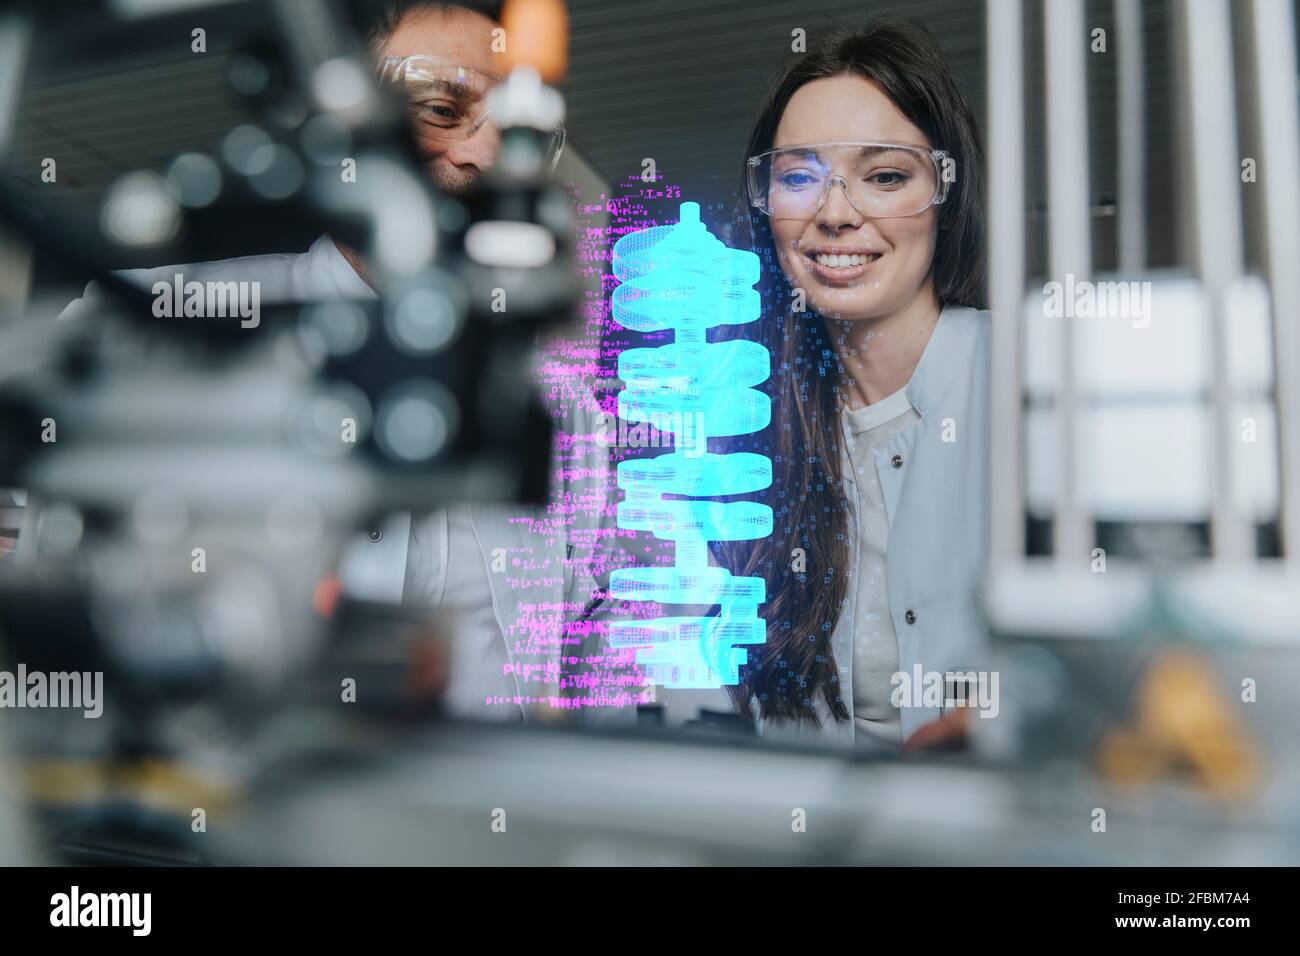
[
  {"x": 57, "y": 780},
  {"x": 156, "y": 783},
  {"x": 1124, "y": 757},
  {"x": 537, "y": 35},
  {"x": 1182, "y": 722}
]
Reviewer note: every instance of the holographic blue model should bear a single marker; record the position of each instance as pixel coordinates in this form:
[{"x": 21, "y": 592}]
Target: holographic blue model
[{"x": 682, "y": 278}]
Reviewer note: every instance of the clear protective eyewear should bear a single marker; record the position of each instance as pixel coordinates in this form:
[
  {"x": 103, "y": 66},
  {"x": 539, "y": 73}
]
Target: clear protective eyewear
[
  {"x": 881, "y": 180},
  {"x": 446, "y": 102}
]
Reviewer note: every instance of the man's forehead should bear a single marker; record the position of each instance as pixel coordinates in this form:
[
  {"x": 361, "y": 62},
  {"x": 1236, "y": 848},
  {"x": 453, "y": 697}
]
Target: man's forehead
[{"x": 452, "y": 33}]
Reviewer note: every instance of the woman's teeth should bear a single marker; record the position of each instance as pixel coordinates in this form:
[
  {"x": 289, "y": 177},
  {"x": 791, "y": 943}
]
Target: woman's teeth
[{"x": 844, "y": 261}]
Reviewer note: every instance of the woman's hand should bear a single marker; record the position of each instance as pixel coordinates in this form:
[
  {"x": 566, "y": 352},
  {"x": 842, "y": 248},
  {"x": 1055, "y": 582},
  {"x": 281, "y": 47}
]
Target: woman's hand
[{"x": 948, "y": 733}]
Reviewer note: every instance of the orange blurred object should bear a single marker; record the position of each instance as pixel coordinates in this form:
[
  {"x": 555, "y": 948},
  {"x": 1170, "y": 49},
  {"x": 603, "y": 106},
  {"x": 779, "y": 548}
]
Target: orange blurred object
[
  {"x": 537, "y": 35},
  {"x": 428, "y": 664},
  {"x": 326, "y": 596}
]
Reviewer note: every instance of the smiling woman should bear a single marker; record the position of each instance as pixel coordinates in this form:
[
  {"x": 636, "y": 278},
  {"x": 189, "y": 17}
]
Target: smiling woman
[{"x": 863, "y": 181}]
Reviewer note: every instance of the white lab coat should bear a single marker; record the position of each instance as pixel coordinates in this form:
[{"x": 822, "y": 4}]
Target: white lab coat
[{"x": 937, "y": 504}]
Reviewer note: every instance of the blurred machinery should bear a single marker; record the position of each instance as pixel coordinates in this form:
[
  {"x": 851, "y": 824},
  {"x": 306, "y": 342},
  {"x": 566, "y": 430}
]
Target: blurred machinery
[
  {"x": 1145, "y": 510},
  {"x": 190, "y": 484}
]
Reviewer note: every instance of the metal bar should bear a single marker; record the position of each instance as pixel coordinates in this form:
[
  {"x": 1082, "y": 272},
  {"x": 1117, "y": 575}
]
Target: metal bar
[
  {"x": 15, "y": 37},
  {"x": 1209, "y": 139},
  {"x": 1131, "y": 94},
  {"x": 1069, "y": 241},
  {"x": 15, "y": 256},
  {"x": 1006, "y": 237},
  {"x": 1273, "y": 31},
  {"x": 315, "y": 33}
]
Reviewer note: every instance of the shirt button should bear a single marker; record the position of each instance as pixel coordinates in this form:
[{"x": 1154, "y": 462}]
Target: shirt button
[
  {"x": 375, "y": 535},
  {"x": 910, "y": 616},
  {"x": 897, "y": 461}
]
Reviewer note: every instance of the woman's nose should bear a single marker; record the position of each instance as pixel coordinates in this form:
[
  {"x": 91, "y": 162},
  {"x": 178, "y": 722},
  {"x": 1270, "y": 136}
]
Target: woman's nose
[{"x": 837, "y": 211}]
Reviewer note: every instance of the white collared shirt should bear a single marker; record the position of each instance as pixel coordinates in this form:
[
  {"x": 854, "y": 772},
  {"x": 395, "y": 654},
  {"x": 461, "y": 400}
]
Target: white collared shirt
[{"x": 875, "y": 645}]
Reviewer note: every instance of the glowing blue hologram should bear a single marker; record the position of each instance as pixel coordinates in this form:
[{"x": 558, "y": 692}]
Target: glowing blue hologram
[{"x": 684, "y": 279}]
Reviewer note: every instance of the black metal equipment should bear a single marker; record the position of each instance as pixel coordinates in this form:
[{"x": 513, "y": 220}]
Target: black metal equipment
[{"x": 191, "y": 483}]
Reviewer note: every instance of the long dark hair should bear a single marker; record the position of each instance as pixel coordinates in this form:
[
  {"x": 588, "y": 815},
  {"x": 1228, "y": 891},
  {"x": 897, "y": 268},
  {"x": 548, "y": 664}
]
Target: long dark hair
[{"x": 807, "y": 495}]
